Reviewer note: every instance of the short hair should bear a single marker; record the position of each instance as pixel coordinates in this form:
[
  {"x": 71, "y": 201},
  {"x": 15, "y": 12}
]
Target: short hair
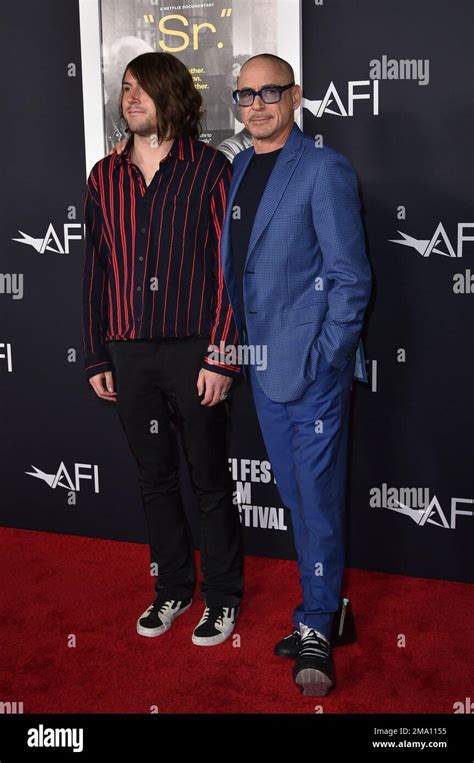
[
  {"x": 170, "y": 85},
  {"x": 284, "y": 65}
]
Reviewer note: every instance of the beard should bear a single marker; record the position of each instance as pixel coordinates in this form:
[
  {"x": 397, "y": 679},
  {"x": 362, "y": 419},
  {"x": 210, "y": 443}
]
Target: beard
[
  {"x": 145, "y": 127},
  {"x": 261, "y": 129}
]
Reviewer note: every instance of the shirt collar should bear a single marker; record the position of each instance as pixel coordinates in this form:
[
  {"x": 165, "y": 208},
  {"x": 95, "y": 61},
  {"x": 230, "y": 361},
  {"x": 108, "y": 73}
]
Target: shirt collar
[{"x": 182, "y": 148}]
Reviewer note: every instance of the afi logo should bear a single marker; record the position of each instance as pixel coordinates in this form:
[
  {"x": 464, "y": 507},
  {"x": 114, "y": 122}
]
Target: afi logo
[
  {"x": 417, "y": 505},
  {"x": 433, "y": 512},
  {"x": 63, "y": 479},
  {"x": 7, "y": 355},
  {"x": 439, "y": 242},
  {"x": 332, "y": 101},
  {"x": 51, "y": 241}
]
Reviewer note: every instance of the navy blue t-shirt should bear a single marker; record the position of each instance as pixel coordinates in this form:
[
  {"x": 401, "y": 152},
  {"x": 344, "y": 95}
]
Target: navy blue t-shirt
[{"x": 247, "y": 199}]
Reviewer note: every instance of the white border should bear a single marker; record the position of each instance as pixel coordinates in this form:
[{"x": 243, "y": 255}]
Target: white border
[
  {"x": 91, "y": 56},
  {"x": 289, "y": 48},
  {"x": 290, "y": 40}
]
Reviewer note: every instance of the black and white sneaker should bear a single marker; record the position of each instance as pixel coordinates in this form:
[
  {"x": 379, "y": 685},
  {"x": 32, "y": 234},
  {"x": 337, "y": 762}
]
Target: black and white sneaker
[
  {"x": 313, "y": 670},
  {"x": 289, "y": 646},
  {"x": 158, "y": 618},
  {"x": 215, "y": 626},
  {"x": 343, "y": 632}
]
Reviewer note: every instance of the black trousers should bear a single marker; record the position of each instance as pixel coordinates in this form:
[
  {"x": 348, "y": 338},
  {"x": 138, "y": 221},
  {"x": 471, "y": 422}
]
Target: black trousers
[{"x": 157, "y": 395}]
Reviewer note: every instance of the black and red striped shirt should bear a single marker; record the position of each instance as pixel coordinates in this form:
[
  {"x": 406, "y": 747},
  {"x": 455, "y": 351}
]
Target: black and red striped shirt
[{"x": 152, "y": 264}]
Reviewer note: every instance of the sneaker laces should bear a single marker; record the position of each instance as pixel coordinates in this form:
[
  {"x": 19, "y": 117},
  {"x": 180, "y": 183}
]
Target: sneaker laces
[
  {"x": 219, "y": 620},
  {"x": 313, "y": 645},
  {"x": 165, "y": 605},
  {"x": 164, "y": 609}
]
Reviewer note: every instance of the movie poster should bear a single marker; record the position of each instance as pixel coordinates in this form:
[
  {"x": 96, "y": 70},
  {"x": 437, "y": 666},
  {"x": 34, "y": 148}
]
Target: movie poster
[{"x": 213, "y": 39}]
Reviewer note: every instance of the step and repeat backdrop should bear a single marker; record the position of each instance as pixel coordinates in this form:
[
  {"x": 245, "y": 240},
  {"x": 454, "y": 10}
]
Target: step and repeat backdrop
[{"x": 388, "y": 84}]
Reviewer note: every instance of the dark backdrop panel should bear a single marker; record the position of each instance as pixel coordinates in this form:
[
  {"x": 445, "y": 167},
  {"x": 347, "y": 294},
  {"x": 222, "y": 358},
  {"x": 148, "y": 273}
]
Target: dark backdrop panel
[
  {"x": 49, "y": 415},
  {"x": 413, "y": 426}
]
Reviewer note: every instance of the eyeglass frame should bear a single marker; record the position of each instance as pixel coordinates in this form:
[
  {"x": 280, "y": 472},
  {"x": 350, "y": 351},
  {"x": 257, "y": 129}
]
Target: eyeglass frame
[{"x": 281, "y": 88}]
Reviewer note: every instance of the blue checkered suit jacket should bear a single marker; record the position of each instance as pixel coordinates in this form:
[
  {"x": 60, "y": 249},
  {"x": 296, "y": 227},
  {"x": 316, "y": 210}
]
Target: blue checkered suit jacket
[{"x": 307, "y": 279}]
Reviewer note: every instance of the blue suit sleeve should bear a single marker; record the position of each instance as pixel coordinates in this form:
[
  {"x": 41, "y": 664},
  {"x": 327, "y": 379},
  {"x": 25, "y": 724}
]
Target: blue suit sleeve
[{"x": 337, "y": 221}]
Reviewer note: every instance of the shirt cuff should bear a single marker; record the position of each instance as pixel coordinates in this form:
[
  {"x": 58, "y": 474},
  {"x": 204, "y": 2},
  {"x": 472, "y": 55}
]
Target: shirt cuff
[
  {"x": 98, "y": 367},
  {"x": 224, "y": 369}
]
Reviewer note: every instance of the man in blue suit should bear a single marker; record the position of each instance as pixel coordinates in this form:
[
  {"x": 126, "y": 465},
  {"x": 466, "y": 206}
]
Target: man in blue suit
[{"x": 297, "y": 274}]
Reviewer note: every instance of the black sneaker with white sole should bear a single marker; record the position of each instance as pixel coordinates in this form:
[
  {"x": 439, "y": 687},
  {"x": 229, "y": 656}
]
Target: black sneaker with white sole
[
  {"x": 343, "y": 632},
  {"x": 289, "y": 646},
  {"x": 215, "y": 625},
  {"x": 159, "y": 616},
  {"x": 313, "y": 671}
]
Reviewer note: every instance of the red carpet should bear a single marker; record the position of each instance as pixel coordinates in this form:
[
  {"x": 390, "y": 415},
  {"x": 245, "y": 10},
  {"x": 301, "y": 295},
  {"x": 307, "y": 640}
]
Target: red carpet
[{"x": 58, "y": 586}]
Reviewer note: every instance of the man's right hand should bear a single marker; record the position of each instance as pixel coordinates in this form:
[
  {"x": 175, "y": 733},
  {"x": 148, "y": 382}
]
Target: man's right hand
[{"x": 103, "y": 386}]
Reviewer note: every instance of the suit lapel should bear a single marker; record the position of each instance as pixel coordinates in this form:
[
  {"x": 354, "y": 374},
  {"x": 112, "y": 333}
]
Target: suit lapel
[
  {"x": 277, "y": 183},
  {"x": 275, "y": 188}
]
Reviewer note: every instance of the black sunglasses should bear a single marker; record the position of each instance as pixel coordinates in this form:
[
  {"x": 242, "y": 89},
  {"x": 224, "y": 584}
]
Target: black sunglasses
[{"x": 268, "y": 94}]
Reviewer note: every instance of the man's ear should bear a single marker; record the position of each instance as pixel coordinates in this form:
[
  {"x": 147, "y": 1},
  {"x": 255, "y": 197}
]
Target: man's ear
[{"x": 297, "y": 97}]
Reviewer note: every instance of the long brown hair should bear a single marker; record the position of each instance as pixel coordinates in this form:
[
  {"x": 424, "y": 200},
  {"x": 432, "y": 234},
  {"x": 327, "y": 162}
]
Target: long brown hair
[{"x": 168, "y": 82}]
